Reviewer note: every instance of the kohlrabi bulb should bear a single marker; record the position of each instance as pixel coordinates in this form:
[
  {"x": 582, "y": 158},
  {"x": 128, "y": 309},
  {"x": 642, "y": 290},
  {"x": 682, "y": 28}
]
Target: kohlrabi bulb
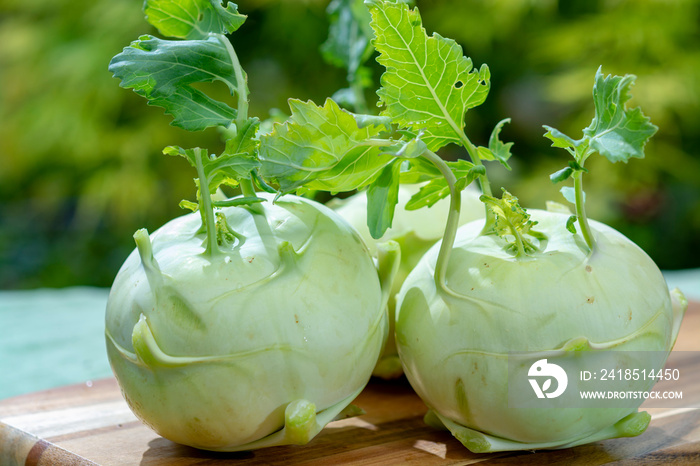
[
  {"x": 455, "y": 341},
  {"x": 415, "y": 231},
  {"x": 259, "y": 345}
]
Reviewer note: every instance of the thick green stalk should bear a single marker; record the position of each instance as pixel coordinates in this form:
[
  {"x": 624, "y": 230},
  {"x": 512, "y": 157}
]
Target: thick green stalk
[
  {"x": 476, "y": 160},
  {"x": 247, "y": 187},
  {"x": 452, "y": 223},
  {"x": 205, "y": 205},
  {"x": 490, "y": 218},
  {"x": 581, "y": 210},
  {"x": 241, "y": 88}
]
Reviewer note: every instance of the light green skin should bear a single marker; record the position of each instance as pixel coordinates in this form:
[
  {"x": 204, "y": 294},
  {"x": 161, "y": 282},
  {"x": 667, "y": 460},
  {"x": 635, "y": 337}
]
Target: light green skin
[
  {"x": 415, "y": 232},
  {"x": 260, "y": 345},
  {"x": 453, "y": 345}
]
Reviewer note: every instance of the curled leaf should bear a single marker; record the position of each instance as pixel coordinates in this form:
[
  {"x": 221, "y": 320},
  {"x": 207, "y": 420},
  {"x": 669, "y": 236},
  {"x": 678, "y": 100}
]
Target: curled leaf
[{"x": 512, "y": 223}]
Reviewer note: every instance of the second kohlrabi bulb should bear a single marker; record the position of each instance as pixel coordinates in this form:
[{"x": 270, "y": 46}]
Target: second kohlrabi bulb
[{"x": 455, "y": 342}]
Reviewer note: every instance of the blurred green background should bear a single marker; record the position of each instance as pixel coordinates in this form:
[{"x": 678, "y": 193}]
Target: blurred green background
[{"x": 81, "y": 166}]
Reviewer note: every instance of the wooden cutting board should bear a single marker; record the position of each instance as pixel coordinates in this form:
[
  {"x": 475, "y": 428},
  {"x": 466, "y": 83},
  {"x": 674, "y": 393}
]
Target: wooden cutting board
[{"x": 91, "y": 424}]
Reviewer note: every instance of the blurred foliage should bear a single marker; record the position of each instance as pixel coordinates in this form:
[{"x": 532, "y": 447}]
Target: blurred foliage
[{"x": 81, "y": 161}]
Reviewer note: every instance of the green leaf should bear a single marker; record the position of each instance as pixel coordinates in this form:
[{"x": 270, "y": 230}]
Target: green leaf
[
  {"x": 576, "y": 166},
  {"x": 561, "y": 175},
  {"x": 244, "y": 142},
  {"x": 192, "y": 19},
  {"x": 372, "y": 120},
  {"x": 226, "y": 169},
  {"x": 497, "y": 150},
  {"x": 321, "y": 148},
  {"x": 569, "y": 194},
  {"x": 428, "y": 84},
  {"x": 437, "y": 189},
  {"x": 418, "y": 170},
  {"x": 617, "y": 132},
  {"x": 229, "y": 169},
  {"x": 429, "y": 194},
  {"x": 349, "y": 36},
  {"x": 163, "y": 72},
  {"x": 189, "y": 205},
  {"x": 276, "y": 116},
  {"x": 382, "y": 197},
  {"x": 412, "y": 149},
  {"x": 512, "y": 223},
  {"x": 561, "y": 140}
]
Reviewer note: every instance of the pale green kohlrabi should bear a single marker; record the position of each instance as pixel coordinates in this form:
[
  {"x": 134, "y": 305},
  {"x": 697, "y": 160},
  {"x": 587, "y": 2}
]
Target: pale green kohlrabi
[
  {"x": 455, "y": 341},
  {"x": 415, "y": 231},
  {"x": 261, "y": 344},
  {"x": 255, "y": 320},
  {"x": 556, "y": 287}
]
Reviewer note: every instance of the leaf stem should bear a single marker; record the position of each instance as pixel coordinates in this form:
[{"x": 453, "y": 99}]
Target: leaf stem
[
  {"x": 241, "y": 88},
  {"x": 489, "y": 216},
  {"x": 581, "y": 210},
  {"x": 246, "y": 185},
  {"x": 378, "y": 142},
  {"x": 206, "y": 205},
  {"x": 476, "y": 160},
  {"x": 452, "y": 223}
]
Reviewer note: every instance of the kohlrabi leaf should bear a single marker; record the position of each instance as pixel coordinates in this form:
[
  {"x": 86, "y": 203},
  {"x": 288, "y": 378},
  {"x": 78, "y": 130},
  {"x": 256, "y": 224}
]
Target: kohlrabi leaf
[
  {"x": 428, "y": 84},
  {"x": 348, "y": 45},
  {"x": 321, "y": 148},
  {"x": 382, "y": 197},
  {"x": 192, "y": 19},
  {"x": 561, "y": 175},
  {"x": 512, "y": 223},
  {"x": 561, "y": 140},
  {"x": 411, "y": 149},
  {"x": 438, "y": 188},
  {"x": 569, "y": 194},
  {"x": 616, "y": 132},
  {"x": 567, "y": 172},
  {"x": 163, "y": 72},
  {"x": 244, "y": 142},
  {"x": 419, "y": 170},
  {"x": 364, "y": 120},
  {"x": 497, "y": 149},
  {"x": 429, "y": 194},
  {"x": 226, "y": 169}
]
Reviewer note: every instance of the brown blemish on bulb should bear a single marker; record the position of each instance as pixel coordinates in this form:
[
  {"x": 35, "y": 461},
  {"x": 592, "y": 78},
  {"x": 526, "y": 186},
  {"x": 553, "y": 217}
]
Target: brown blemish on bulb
[
  {"x": 589, "y": 269},
  {"x": 590, "y": 300}
]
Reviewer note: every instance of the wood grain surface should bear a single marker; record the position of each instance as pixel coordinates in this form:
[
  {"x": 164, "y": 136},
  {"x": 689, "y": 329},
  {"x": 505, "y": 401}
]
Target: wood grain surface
[{"x": 91, "y": 424}]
